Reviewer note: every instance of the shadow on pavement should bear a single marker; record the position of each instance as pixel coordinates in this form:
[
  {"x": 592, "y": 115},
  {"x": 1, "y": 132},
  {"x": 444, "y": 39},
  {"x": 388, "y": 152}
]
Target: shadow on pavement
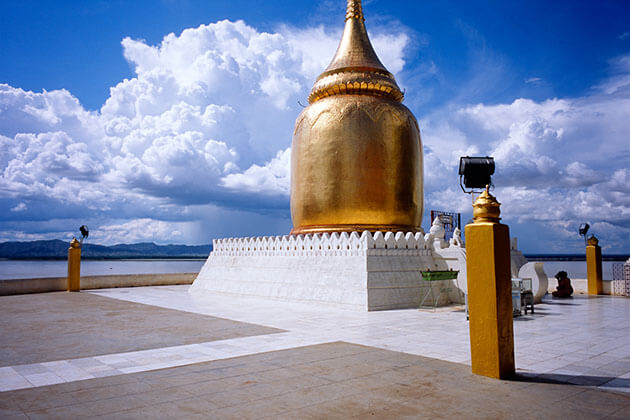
[{"x": 581, "y": 380}]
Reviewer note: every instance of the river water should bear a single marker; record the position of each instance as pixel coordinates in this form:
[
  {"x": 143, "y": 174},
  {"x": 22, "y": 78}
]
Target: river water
[
  {"x": 26, "y": 269},
  {"x": 22, "y": 269}
]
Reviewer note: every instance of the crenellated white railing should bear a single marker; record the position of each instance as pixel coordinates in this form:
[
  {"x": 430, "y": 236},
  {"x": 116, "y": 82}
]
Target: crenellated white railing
[{"x": 355, "y": 243}]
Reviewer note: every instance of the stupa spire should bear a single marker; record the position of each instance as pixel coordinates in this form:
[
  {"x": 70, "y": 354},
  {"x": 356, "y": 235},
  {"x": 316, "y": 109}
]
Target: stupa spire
[{"x": 355, "y": 68}]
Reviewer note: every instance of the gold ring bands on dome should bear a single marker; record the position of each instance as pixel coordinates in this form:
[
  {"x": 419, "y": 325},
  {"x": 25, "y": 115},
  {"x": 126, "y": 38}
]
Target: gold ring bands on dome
[{"x": 352, "y": 82}]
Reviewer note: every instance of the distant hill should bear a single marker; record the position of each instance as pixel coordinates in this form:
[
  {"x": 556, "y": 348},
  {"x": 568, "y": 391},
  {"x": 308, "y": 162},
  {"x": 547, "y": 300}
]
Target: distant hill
[{"x": 56, "y": 249}]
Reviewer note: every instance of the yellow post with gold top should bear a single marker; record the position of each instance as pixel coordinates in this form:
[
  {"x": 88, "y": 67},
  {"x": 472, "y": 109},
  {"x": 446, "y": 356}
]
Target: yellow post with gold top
[
  {"x": 74, "y": 266},
  {"x": 594, "y": 266},
  {"x": 489, "y": 290}
]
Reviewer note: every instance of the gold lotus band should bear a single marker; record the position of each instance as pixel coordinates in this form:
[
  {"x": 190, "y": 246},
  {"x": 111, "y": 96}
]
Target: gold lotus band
[{"x": 354, "y": 82}]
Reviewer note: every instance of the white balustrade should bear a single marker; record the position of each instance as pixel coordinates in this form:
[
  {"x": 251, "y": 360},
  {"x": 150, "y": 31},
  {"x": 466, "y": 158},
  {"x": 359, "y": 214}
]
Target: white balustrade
[{"x": 335, "y": 244}]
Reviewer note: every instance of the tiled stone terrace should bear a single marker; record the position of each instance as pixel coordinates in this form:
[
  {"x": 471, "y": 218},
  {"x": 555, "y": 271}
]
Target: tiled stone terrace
[{"x": 161, "y": 352}]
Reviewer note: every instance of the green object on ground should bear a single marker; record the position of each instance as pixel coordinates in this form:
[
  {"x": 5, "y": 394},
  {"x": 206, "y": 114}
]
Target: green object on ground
[{"x": 439, "y": 275}]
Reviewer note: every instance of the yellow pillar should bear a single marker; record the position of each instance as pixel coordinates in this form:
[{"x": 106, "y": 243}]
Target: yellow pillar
[
  {"x": 74, "y": 266},
  {"x": 489, "y": 291},
  {"x": 594, "y": 267}
]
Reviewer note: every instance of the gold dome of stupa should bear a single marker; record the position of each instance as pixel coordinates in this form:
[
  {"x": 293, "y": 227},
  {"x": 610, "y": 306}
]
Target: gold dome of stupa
[{"x": 356, "y": 158}]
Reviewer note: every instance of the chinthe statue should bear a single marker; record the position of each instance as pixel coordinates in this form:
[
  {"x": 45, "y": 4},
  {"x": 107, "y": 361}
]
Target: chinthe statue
[{"x": 356, "y": 160}]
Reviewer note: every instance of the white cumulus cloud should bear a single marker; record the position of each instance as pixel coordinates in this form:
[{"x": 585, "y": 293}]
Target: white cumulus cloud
[
  {"x": 201, "y": 134},
  {"x": 205, "y": 122},
  {"x": 559, "y": 162}
]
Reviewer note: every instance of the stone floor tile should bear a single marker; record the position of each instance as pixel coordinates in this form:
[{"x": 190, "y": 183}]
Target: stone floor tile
[
  {"x": 142, "y": 413},
  {"x": 108, "y": 392},
  {"x": 7, "y": 372},
  {"x": 105, "y": 372},
  {"x": 298, "y": 382},
  {"x": 384, "y": 409},
  {"x": 8, "y": 404},
  {"x": 251, "y": 410},
  {"x": 621, "y": 414},
  {"x": 234, "y": 397},
  {"x": 87, "y": 363},
  {"x": 607, "y": 403},
  {"x": 69, "y": 375},
  {"x": 33, "y": 369},
  {"x": 10, "y": 415},
  {"x": 341, "y": 408},
  {"x": 11, "y": 383},
  {"x": 158, "y": 396},
  {"x": 41, "y": 379},
  {"x": 60, "y": 413},
  {"x": 288, "y": 402},
  {"x": 111, "y": 405}
]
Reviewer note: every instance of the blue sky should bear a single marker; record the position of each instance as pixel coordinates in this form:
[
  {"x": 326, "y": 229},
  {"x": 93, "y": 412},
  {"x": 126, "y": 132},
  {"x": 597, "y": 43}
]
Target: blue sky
[{"x": 108, "y": 120}]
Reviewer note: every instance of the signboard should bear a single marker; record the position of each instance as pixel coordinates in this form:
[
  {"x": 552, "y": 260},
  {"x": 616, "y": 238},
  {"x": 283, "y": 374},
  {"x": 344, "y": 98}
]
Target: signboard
[{"x": 450, "y": 220}]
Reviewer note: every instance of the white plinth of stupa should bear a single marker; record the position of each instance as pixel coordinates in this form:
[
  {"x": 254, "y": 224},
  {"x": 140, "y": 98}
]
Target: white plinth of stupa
[{"x": 361, "y": 271}]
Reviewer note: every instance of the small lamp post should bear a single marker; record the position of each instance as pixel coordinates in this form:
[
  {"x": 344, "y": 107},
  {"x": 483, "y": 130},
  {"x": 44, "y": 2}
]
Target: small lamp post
[
  {"x": 594, "y": 277},
  {"x": 488, "y": 275},
  {"x": 583, "y": 230},
  {"x": 74, "y": 261},
  {"x": 74, "y": 266}
]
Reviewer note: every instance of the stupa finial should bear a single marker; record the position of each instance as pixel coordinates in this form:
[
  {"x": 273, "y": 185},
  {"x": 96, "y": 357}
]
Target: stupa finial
[
  {"x": 354, "y": 10},
  {"x": 355, "y": 68}
]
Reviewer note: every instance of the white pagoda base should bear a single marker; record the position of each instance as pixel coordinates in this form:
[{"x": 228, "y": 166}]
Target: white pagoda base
[{"x": 361, "y": 271}]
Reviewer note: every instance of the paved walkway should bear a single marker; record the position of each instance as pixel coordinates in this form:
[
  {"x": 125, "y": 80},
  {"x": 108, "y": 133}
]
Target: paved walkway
[
  {"x": 583, "y": 341},
  {"x": 327, "y": 381}
]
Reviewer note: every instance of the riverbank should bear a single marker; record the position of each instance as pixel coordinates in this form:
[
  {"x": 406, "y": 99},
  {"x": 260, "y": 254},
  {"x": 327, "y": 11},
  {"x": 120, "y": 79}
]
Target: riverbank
[{"x": 57, "y": 284}]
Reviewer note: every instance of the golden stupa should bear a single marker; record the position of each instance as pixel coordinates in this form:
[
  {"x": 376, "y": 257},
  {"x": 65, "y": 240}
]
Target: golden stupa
[{"x": 356, "y": 159}]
